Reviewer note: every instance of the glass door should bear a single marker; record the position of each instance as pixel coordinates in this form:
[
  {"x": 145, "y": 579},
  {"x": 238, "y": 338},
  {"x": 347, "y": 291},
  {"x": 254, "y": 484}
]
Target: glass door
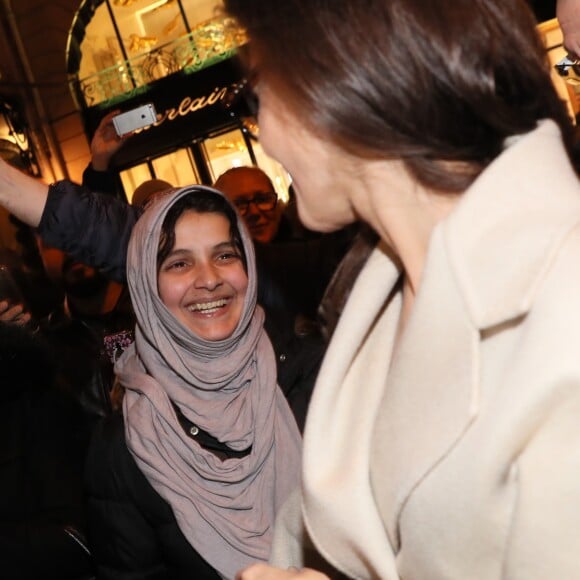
[{"x": 176, "y": 168}]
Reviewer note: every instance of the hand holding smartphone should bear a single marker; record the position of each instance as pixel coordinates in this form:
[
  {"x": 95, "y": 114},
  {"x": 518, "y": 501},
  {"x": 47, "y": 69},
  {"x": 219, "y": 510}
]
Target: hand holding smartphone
[{"x": 134, "y": 119}]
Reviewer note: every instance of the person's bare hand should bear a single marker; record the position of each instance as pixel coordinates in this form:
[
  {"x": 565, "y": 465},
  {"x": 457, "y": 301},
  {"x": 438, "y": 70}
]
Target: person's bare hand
[
  {"x": 266, "y": 572},
  {"x": 13, "y": 314},
  {"x": 568, "y": 13},
  {"x": 106, "y": 142}
]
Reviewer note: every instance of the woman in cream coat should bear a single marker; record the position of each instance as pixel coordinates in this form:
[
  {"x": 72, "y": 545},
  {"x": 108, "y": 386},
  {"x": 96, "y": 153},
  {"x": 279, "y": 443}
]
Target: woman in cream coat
[{"x": 443, "y": 438}]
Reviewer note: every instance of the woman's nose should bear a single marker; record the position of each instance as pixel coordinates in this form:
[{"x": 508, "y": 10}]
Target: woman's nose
[{"x": 207, "y": 276}]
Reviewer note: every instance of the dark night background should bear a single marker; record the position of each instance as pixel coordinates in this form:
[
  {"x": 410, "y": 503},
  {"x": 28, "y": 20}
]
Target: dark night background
[{"x": 544, "y": 9}]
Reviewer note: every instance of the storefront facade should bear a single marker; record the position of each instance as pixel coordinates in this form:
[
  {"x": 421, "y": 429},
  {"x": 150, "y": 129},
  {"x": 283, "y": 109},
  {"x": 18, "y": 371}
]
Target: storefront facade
[{"x": 161, "y": 53}]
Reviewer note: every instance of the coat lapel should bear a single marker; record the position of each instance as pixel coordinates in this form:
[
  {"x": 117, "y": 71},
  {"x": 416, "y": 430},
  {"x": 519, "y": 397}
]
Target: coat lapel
[
  {"x": 431, "y": 393},
  {"x": 338, "y": 432}
]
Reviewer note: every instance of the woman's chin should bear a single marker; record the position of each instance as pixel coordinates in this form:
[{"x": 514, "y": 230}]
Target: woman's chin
[{"x": 320, "y": 223}]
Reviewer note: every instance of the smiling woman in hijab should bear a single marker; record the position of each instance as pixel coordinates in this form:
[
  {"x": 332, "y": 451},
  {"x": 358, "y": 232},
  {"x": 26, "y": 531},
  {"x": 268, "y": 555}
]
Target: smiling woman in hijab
[{"x": 187, "y": 483}]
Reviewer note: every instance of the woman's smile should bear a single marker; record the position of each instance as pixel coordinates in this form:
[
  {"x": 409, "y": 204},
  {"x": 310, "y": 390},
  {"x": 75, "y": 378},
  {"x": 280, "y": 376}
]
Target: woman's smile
[
  {"x": 211, "y": 307},
  {"x": 203, "y": 281}
]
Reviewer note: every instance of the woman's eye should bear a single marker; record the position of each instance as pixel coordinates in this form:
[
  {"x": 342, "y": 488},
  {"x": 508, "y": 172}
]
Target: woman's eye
[
  {"x": 228, "y": 257},
  {"x": 176, "y": 265}
]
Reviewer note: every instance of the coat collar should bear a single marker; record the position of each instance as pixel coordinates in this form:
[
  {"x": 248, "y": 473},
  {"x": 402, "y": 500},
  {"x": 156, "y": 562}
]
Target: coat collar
[
  {"x": 521, "y": 208},
  {"x": 517, "y": 213}
]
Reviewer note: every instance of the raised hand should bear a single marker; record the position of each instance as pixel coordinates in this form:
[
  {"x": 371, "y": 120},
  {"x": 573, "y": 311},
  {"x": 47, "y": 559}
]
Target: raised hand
[{"x": 106, "y": 143}]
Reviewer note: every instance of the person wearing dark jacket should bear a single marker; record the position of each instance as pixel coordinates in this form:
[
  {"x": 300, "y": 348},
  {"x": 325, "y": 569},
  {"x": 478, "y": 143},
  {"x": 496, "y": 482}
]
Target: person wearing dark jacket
[
  {"x": 42, "y": 449},
  {"x": 292, "y": 275},
  {"x": 84, "y": 332},
  {"x": 188, "y": 481},
  {"x": 96, "y": 228}
]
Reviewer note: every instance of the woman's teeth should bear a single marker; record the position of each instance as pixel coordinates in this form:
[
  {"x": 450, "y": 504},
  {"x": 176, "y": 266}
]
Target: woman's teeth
[{"x": 205, "y": 306}]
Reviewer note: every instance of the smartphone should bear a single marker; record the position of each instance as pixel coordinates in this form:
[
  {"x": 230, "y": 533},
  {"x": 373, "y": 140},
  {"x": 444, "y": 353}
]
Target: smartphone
[
  {"x": 9, "y": 289},
  {"x": 134, "y": 119}
]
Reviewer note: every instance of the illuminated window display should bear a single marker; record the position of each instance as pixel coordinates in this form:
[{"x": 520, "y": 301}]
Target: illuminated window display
[{"x": 179, "y": 55}]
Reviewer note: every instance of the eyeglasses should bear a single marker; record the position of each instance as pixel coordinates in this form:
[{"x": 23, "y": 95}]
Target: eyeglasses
[
  {"x": 564, "y": 65},
  {"x": 242, "y": 104},
  {"x": 263, "y": 200}
]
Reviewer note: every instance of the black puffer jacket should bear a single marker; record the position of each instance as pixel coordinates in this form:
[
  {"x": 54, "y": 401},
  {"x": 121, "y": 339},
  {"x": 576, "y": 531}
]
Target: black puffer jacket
[
  {"x": 133, "y": 532},
  {"x": 42, "y": 447}
]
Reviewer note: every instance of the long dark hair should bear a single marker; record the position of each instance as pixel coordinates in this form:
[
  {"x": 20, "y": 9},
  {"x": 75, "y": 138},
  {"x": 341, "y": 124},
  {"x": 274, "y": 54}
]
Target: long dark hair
[
  {"x": 439, "y": 84},
  {"x": 199, "y": 202}
]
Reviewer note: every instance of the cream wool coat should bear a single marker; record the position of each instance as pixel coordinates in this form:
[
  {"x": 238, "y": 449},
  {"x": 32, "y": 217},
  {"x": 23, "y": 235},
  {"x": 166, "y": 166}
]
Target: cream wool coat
[{"x": 458, "y": 456}]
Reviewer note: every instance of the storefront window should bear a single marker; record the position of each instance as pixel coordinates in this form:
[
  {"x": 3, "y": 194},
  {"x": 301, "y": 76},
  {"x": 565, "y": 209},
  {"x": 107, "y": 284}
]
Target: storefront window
[
  {"x": 220, "y": 153},
  {"x": 117, "y": 47},
  {"x": 134, "y": 177},
  {"x": 145, "y": 24},
  {"x": 177, "y": 168},
  {"x": 201, "y": 11},
  {"x": 225, "y": 151},
  {"x": 179, "y": 56},
  {"x": 229, "y": 150},
  {"x": 568, "y": 84}
]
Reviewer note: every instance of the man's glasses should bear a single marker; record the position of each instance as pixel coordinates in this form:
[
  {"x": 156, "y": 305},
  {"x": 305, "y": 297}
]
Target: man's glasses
[
  {"x": 564, "y": 65},
  {"x": 242, "y": 104},
  {"x": 264, "y": 201}
]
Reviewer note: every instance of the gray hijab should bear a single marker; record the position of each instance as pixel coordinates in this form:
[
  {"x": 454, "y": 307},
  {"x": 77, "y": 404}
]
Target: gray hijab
[{"x": 225, "y": 508}]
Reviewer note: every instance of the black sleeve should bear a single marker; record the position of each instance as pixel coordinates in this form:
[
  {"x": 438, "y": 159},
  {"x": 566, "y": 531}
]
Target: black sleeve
[
  {"x": 94, "y": 228},
  {"x": 123, "y": 542},
  {"x": 101, "y": 181}
]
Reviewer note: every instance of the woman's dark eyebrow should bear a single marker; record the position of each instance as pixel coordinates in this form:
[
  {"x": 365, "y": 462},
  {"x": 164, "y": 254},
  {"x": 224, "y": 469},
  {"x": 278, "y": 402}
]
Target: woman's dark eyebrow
[{"x": 225, "y": 245}]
